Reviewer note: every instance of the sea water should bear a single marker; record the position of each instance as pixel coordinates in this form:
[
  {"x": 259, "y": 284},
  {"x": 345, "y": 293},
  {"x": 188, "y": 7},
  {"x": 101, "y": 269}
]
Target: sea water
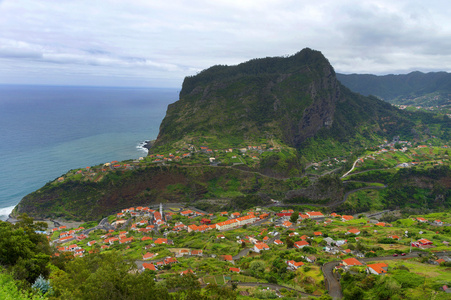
[{"x": 46, "y": 131}]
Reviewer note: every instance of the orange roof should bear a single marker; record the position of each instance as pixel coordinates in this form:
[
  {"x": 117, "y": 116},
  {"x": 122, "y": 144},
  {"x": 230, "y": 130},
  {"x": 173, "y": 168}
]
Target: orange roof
[
  {"x": 261, "y": 246},
  {"x": 314, "y": 213},
  {"x": 354, "y": 231},
  {"x": 351, "y": 262},
  {"x": 149, "y": 266},
  {"x": 378, "y": 267},
  {"x": 301, "y": 243},
  {"x": 226, "y": 222},
  {"x": 347, "y": 218}
]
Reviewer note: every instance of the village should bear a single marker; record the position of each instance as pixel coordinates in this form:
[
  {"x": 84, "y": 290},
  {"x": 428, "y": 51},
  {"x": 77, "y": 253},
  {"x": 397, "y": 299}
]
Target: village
[{"x": 290, "y": 249}]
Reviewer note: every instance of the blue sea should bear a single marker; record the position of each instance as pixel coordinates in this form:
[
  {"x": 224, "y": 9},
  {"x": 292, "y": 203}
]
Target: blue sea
[{"x": 46, "y": 131}]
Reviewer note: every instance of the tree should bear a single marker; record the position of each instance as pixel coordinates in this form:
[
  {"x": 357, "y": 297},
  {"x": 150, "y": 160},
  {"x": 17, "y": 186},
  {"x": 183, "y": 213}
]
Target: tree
[
  {"x": 257, "y": 268},
  {"x": 294, "y": 217}
]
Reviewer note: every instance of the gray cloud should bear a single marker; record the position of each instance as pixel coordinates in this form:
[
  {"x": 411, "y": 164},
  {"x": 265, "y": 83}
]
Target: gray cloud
[{"x": 158, "y": 43}]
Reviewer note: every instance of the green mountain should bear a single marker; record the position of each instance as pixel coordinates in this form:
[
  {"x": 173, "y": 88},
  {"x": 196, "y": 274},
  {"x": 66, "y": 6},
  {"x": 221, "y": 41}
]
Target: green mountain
[
  {"x": 294, "y": 101},
  {"x": 416, "y": 88}
]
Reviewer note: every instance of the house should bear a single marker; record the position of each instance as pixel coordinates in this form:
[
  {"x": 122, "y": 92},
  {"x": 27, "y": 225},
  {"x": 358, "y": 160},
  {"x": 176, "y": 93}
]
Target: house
[
  {"x": 246, "y": 220},
  {"x": 353, "y": 231},
  {"x": 192, "y": 227},
  {"x": 310, "y": 259},
  {"x": 422, "y": 243},
  {"x": 149, "y": 266},
  {"x": 91, "y": 243},
  {"x": 345, "y": 218},
  {"x": 235, "y": 270},
  {"x": 278, "y": 242},
  {"x": 73, "y": 247},
  {"x": 148, "y": 256},
  {"x": 314, "y": 214},
  {"x": 287, "y": 224},
  {"x": 394, "y": 237},
  {"x": 438, "y": 223},
  {"x": 146, "y": 238},
  {"x": 318, "y": 233},
  {"x": 329, "y": 240},
  {"x": 226, "y": 224},
  {"x": 377, "y": 269},
  {"x": 422, "y": 220},
  {"x": 111, "y": 240},
  {"x": 189, "y": 271},
  {"x": 160, "y": 241},
  {"x": 227, "y": 258},
  {"x": 301, "y": 244},
  {"x": 294, "y": 265},
  {"x": 260, "y": 247},
  {"x": 351, "y": 262},
  {"x": 284, "y": 216},
  {"x": 187, "y": 213},
  {"x": 170, "y": 260},
  {"x": 126, "y": 240},
  {"x": 196, "y": 252}
]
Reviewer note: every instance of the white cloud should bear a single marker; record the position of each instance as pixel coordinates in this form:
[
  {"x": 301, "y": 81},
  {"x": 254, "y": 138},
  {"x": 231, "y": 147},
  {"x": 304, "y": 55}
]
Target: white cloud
[{"x": 157, "y": 41}]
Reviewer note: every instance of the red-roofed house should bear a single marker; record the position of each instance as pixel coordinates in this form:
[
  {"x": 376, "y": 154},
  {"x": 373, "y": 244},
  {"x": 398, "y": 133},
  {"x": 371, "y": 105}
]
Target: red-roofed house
[
  {"x": 278, "y": 242},
  {"x": 422, "y": 243},
  {"x": 170, "y": 260},
  {"x": 235, "y": 270},
  {"x": 301, "y": 244},
  {"x": 227, "y": 257},
  {"x": 314, "y": 214},
  {"x": 351, "y": 262},
  {"x": 148, "y": 256},
  {"x": 294, "y": 265},
  {"x": 149, "y": 266},
  {"x": 287, "y": 224},
  {"x": 377, "y": 269},
  {"x": 226, "y": 224},
  {"x": 186, "y": 272},
  {"x": 353, "y": 231},
  {"x": 260, "y": 247},
  {"x": 345, "y": 218}
]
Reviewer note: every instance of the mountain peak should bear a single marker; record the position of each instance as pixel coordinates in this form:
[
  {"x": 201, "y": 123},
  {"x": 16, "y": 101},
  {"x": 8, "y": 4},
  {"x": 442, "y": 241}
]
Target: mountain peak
[{"x": 288, "y": 98}]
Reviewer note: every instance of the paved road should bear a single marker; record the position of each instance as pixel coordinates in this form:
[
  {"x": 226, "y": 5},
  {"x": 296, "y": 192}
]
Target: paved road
[{"x": 353, "y": 166}]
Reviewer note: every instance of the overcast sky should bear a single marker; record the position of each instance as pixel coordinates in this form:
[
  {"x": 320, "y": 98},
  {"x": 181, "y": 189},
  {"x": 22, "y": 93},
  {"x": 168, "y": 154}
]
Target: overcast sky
[{"x": 157, "y": 43}]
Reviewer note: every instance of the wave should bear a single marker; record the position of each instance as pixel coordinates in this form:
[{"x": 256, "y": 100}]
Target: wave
[
  {"x": 142, "y": 146},
  {"x": 5, "y": 211}
]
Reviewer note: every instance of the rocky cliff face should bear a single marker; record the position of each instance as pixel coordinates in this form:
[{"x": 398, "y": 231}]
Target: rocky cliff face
[{"x": 290, "y": 99}]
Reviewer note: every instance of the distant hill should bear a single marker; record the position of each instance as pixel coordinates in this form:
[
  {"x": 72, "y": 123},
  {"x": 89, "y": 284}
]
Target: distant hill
[{"x": 416, "y": 88}]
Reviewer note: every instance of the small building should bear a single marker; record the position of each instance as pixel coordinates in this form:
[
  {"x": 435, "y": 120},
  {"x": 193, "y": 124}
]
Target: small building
[
  {"x": 260, "y": 247},
  {"x": 377, "y": 269},
  {"x": 301, "y": 244}
]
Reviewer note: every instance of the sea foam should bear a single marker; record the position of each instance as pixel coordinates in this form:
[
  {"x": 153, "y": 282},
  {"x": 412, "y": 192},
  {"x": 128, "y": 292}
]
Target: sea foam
[{"x": 5, "y": 211}]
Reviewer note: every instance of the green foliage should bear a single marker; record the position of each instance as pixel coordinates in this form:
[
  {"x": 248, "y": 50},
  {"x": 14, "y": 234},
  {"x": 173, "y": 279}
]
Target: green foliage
[
  {"x": 10, "y": 291},
  {"x": 22, "y": 250},
  {"x": 104, "y": 276},
  {"x": 408, "y": 279}
]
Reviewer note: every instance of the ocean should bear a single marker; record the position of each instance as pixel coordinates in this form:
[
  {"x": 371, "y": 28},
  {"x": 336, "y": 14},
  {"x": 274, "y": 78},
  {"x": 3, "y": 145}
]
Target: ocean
[{"x": 46, "y": 131}]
